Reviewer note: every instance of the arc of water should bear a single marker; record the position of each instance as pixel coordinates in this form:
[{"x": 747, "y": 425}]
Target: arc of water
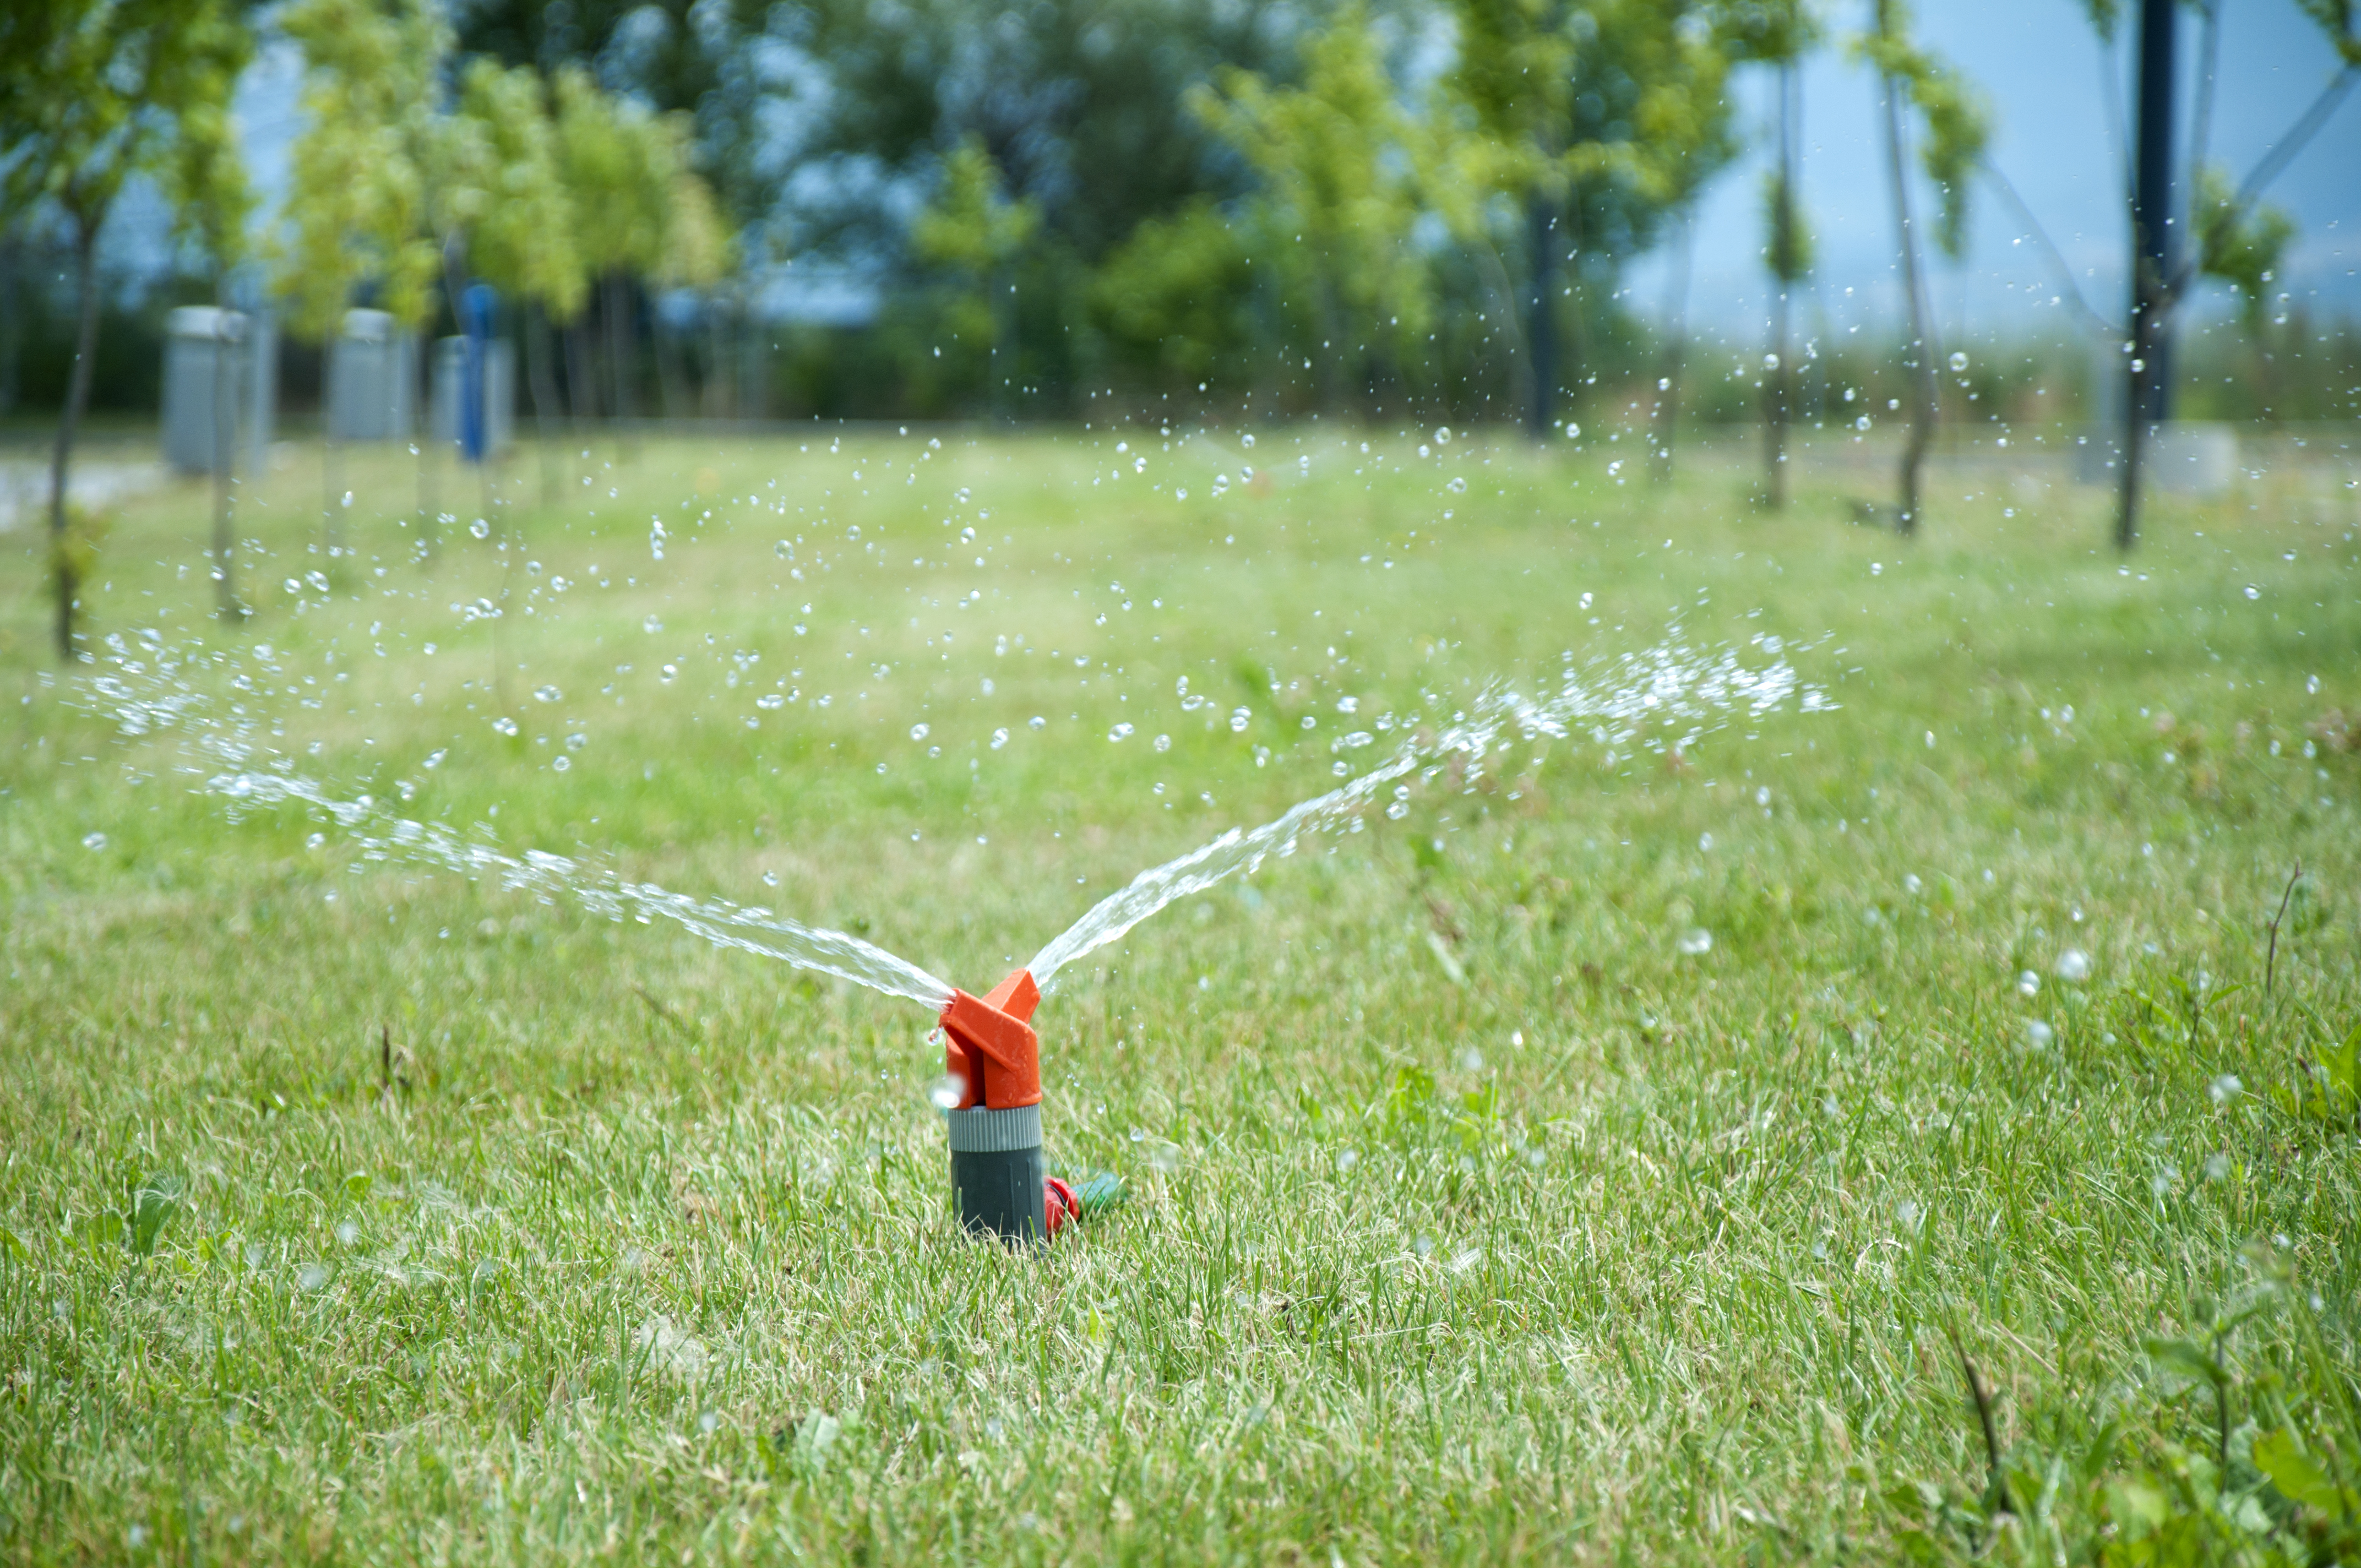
[{"x": 1668, "y": 683}]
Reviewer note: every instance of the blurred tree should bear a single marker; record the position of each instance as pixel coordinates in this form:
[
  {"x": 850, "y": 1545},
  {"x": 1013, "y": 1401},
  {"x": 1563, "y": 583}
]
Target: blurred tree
[
  {"x": 1778, "y": 34},
  {"x": 1346, "y": 171},
  {"x": 207, "y": 185},
  {"x": 2239, "y": 243},
  {"x": 93, "y": 94},
  {"x": 1176, "y": 296},
  {"x": 1603, "y": 117},
  {"x": 356, "y": 198},
  {"x": 1955, "y": 135},
  {"x": 975, "y": 231},
  {"x": 645, "y": 213},
  {"x": 524, "y": 231},
  {"x": 356, "y": 211}
]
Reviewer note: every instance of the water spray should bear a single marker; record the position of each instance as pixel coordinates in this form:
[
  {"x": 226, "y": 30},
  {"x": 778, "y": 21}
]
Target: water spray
[{"x": 991, "y": 1093}]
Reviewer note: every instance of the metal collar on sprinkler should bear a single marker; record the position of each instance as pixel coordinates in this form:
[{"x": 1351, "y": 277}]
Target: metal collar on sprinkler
[{"x": 992, "y": 1051}]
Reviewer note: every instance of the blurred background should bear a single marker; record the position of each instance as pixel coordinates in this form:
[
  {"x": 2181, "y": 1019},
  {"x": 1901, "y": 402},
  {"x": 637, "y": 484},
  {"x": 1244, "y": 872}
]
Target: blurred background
[{"x": 1531, "y": 211}]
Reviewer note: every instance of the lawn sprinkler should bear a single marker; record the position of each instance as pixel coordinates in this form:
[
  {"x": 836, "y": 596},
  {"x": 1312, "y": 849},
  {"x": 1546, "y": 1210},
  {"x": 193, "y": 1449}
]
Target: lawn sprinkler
[{"x": 991, "y": 1053}]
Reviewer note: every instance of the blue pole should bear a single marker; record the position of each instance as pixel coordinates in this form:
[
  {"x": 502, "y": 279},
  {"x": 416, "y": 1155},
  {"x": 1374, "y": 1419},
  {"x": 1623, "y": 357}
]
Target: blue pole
[{"x": 476, "y": 322}]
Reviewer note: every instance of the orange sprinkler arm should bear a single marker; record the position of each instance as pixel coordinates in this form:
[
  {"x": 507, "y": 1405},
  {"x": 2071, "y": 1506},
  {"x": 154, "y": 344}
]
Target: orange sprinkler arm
[{"x": 989, "y": 1048}]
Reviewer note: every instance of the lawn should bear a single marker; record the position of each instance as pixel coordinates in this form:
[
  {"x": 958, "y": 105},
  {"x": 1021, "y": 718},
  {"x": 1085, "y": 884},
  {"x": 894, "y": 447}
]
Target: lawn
[{"x": 1619, "y": 1150}]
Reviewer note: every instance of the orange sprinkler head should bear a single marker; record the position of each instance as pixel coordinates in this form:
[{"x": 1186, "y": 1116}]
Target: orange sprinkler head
[{"x": 989, "y": 1048}]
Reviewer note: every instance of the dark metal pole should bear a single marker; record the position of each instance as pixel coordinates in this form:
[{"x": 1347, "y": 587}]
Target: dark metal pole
[
  {"x": 1540, "y": 332},
  {"x": 2147, "y": 399}
]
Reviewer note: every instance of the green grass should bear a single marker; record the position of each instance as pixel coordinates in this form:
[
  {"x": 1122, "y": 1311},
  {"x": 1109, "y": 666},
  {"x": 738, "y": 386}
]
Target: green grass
[{"x": 1470, "y": 1217}]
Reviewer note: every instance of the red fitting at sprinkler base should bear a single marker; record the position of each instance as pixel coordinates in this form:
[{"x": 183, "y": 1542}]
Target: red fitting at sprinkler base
[
  {"x": 989, "y": 1048},
  {"x": 1062, "y": 1207}
]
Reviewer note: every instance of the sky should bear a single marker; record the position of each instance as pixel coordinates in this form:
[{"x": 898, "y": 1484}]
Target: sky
[{"x": 2040, "y": 68}]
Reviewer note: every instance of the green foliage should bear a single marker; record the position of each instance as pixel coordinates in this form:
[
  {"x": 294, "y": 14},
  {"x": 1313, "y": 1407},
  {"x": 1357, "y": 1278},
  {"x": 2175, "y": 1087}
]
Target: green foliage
[
  {"x": 643, "y": 211},
  {"x": 95, "y": 92},
  {"x": 2327, "y": 1089},
  {"x": 357, "y": 199},
  {"x": 534, "y": 187},
  {"x": 500, "y": 180},
  {"x": 2340, "y": 20},
  {"x": 2240, "y": 248},
  {"x": 1789, "y": 251},
  {"x": 1957, "y": 126},
  {"x": 1174, "y": 295},
  {"x": 1345, "y": 172},
  {"x": 970, "y": 224}
]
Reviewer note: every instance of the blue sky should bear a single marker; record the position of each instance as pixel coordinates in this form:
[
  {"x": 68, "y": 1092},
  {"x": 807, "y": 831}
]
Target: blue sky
[{"x": 2039, "y": 66}]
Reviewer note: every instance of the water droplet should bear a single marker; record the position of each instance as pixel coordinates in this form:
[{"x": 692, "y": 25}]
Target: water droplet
[
  {"x": 2039, "y": 1036},
  {"x": 93, "y": 841},
  {"x": 1958, "y": 362},
  {"x": 254, "y": 1254},
  {"x": 315, "y": 841},
  {"x": 505, "y": 724},
  {"x": 1165, "y": 1155},
  {"x": 1036, "y": 722},
  {"x": 2028, "y": 983},
  {"x": 2253, "y": 592},
  {"x": 1696, "y": 941},
  {"x": 2074, "y": 965},
  {"x": 1239, "y": 719},
  {"x": 1120, "y": 732},
  {"x": 2224, "y": 1088},
  {"x": 1705, "y": 843},
  {"x": 1347, "y": 1159},
  {"x": 480, "y": 529},
  {"x": 1912, "y": 885},
  {"x": 947, "y": 1092},
  {"x": 1471, "y": 1060},
  {"x": 348, "y": 1233},
  {"x": 1907, "y": 1216},
  {"x": 546, "y": 694},
  {"x": 652, "y": 625},
  {"x": 668, "y": 674},
  {"x": 918, "y": 732},
  {"x": 1164, "y": 742},
  {"x": 311, "y": 1275}
]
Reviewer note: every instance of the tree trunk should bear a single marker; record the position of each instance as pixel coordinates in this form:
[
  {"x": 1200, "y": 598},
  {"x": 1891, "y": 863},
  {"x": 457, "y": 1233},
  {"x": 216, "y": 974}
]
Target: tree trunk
[
  {"x": 1922, "y": 352},
  {"x": 66, "y": 578},
  {"x": 2147, "y": 399},
  {"x": 1779, "y": 374},
  {"x": 581, "y": 386},
  {"x": 672, "y": 387},
  {"x": 619, "y": 340},
  {"x": 12, "y": 330},
  {"x": 224, "y": 540},
  {"x": 1540, "y": 330},
  {"x": 1666, "y": 418},
  {"x": 545, "y": 396}
]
